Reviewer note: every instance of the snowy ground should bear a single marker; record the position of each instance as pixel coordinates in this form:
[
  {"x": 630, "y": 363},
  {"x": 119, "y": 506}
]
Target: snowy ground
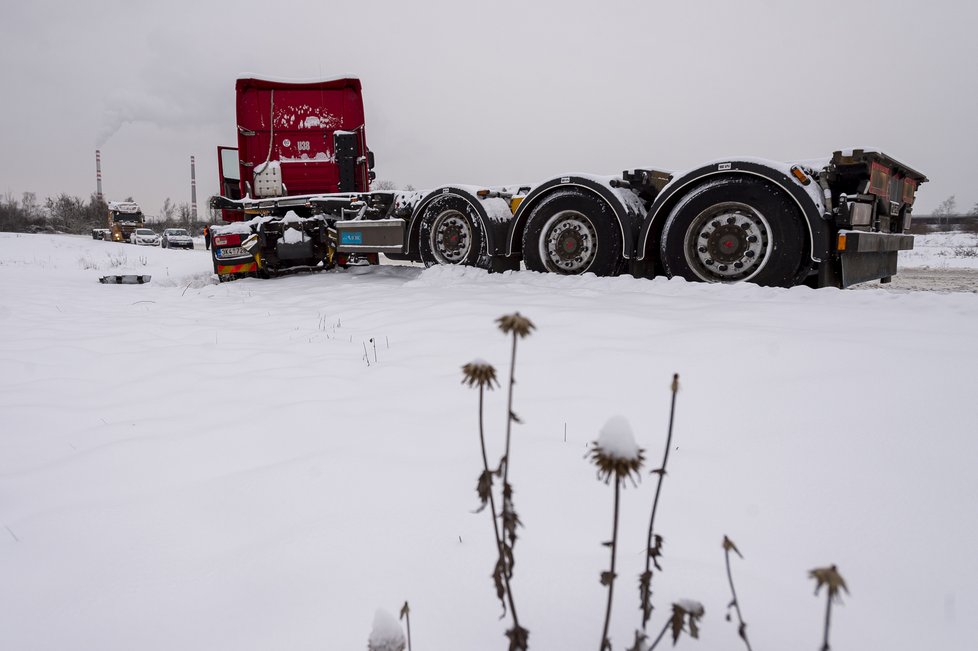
[{"x": 187, "y": 465}]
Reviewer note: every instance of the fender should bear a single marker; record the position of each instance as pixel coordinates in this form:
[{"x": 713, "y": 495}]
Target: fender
[
  {"x": 808, "y": 202},
  {"x": 489, "y": 227},
  {"x": 628, "y": 216}
]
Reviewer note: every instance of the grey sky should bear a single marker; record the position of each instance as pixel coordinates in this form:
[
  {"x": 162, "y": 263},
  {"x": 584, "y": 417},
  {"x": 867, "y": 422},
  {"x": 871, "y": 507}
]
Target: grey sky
[{"x": 490, "y": 92}]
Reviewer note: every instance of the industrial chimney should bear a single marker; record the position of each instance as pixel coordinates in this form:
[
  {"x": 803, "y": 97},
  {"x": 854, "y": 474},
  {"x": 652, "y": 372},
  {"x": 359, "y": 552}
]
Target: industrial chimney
[
  {"x": 98, "y": 174},
  {"x": 193, "y": 191}
]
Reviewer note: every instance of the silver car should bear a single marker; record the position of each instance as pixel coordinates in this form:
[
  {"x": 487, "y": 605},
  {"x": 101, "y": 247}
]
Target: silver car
[
  {"x": 144, "y": 236},
  {"x": 176, "y": 238}
]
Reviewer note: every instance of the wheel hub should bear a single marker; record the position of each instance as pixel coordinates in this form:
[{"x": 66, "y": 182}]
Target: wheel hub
[
  {"x": 569, "y": 242},
  {"x": 728, "y": 243}
]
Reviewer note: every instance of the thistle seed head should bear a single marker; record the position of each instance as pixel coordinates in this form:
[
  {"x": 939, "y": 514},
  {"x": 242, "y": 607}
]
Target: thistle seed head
[
  {"x": 516, "y": 323},
  {"x": 830, "y": 577},
  {"x": 611, "y": 466},
  {"x": 478, "y": 373}
]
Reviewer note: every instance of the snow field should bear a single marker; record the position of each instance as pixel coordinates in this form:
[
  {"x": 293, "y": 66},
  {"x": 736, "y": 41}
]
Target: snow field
[{"x": 191, "y": 465}]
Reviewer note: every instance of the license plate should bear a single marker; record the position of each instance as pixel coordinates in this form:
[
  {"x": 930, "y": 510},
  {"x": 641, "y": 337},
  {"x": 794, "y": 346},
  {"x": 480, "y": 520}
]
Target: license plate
[{"x": 232, "y": 252}]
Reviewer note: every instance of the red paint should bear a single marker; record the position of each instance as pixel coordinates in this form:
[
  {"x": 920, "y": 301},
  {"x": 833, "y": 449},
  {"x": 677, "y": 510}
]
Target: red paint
[{"x": 305, "y": 117}]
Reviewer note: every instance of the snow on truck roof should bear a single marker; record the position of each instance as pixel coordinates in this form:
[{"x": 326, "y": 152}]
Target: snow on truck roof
[
  {"x": 124, "y": 206},
  {"x": 323, "y": 83}
]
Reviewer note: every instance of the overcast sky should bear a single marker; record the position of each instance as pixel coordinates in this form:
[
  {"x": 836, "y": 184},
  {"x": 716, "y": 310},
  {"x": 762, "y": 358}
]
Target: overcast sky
[{"x": 490, "y": 92}]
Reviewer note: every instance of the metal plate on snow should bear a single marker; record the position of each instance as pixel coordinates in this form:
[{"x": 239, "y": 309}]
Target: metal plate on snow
[{"x": 128, "y": 279}]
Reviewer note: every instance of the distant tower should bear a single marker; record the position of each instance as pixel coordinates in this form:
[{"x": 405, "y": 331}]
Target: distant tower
[
  {"x": 193, "y": 190},
  {"x": 98, "y": 174}
]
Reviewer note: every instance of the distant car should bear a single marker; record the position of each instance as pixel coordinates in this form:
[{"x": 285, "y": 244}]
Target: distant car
[
  {"x": 100, "y": 233},
  {"x": 176, "y": 238},
  {"x": 145, "y": 236}
]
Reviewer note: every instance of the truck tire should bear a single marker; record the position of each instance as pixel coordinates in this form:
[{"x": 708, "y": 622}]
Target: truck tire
[
  {"x": 452, "y": 233},
  {"x": 571, "y": 232},
  {"x": 735, "y": 229}
]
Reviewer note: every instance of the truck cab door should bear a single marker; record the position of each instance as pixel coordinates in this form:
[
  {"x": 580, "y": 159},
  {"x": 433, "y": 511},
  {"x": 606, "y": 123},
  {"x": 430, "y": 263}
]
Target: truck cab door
[{"x": 229, "y": 173}]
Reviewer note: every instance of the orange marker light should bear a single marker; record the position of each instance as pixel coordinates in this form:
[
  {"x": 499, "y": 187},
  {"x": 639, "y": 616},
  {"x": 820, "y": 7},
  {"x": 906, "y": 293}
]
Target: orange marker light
[
  {"x": 842, "y": 242},
  {"x": 800, "y": 175}
]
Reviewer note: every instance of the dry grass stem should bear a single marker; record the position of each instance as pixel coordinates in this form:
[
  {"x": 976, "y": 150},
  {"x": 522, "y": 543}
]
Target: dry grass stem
[
  {"x": 653, "y": 545},
  {"x": 836, "y": 585},
  {"x": 729, "y": 546}
]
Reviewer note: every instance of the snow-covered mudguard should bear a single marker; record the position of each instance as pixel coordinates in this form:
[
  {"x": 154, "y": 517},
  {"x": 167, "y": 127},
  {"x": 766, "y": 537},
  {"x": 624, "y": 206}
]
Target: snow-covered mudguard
[
  {"x": 494, "y": 229},
  {"x": 807, "y": 198},
  {"x": 627, "y": 214}
]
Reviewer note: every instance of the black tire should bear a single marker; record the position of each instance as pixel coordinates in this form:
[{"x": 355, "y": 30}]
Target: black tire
[
  {"x": 452, "y": 233},
  {"x": 573, "y": 231},
  {"x": 163, "y": 244},
  {"x": 735, "y": 229}
]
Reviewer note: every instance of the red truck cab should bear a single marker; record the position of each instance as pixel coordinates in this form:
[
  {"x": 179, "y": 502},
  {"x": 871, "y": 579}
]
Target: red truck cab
[{"x": 296, "y": 138}]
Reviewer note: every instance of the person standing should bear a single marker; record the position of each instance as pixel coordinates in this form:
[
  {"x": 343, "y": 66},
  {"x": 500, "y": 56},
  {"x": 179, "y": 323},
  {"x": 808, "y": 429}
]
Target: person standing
[{"x": 207, "y": 237}]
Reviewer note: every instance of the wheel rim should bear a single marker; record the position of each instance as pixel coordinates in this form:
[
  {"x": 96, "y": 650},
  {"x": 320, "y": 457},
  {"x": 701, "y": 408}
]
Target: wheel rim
[
  {"x": 728, "y": 242},
  {"x": 451, "y": 237},
  {"x": 568, "y": 243}
]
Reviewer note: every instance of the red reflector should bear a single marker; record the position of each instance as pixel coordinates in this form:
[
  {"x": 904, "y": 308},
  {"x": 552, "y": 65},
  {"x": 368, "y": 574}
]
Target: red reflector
[
  {"x": 227, "y": 240},
  {"x": 879, "y": 180}
]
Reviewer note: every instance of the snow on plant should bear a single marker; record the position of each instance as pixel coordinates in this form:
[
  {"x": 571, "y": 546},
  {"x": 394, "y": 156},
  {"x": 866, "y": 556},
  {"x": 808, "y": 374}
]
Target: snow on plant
[
  {"x": 386, "y": 634},
  {"x": 965, "y": 252},
  {"x": 482, "y": 375},
  {"x": 617, "y": 456},
  {"x": 117, "y": 260}
]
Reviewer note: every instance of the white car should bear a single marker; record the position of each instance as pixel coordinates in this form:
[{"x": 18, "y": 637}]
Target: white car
[
  {"x": 176, "y": 238},
  {"x": 145, "y": 236}
]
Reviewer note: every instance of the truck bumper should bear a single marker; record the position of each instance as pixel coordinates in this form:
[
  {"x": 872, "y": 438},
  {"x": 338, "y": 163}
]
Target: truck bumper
[
  {"x": 225, "y": 269},
  {"x": 865, "y": 256},
  {"x": 236, "y": 265}
]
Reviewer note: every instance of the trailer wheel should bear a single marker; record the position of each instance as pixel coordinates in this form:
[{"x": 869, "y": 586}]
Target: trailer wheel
[
  {"x": 734, "y": 229},
  {"x": 452, "y": 233},
  {"x": 572, "y": 232}
]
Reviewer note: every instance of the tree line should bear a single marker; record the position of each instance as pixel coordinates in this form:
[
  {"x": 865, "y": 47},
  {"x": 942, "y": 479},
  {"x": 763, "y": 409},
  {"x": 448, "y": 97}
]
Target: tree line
[
  {"x": 949, "y": 208},
  {"x": 68, "y": 214}
]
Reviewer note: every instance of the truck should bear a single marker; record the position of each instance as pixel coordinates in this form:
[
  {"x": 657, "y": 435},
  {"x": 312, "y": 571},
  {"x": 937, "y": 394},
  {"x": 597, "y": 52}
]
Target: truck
[
  {"x": 124, "y": 217},
  {"x": 296, "y": 195}
]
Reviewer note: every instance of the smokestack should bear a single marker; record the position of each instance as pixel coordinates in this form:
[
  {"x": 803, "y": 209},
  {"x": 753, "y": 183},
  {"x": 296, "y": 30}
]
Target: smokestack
[
  {"x": 98, "y": 174},
  {"x": 193, "y": 190}
]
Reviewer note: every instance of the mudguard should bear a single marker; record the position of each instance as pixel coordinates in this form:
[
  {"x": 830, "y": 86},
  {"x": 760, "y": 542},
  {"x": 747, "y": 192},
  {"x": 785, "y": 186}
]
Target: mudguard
[
  {"x": 807, "y": 198},
  {"x": 493, "y": 213},
  {"x": 627, "y": 208}
]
